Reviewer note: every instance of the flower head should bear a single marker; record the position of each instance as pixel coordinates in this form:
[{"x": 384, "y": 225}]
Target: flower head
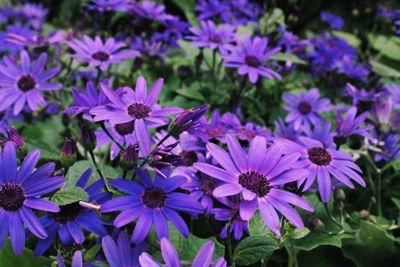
[
  {"x": 249, "y": 56},
  {"x": 100, "y": 54},
  {"x": 350, "y": 124},
  {"x": 153, "y": 203},
  {"x": 22, "y": 84},
  {"x": 109, "y": 5},
  {"x": 257, "y": 176},
  {"x": 334, "y": 21},
  {"x": 20, "y": 190}
]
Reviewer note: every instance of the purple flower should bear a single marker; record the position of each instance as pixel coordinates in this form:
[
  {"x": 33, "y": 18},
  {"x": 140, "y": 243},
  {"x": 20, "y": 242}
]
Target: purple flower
[
  {"x": 36, "y": 40},
  {"x": 304, "y": 108},
  {"x": 390, "y": 146},
  {"x": 34, "y": 13},
  {"x": 257, "y": 176},
  {"x": 188, "y": 120},
  {"x": 150, "y": 10},
  {"x": 334, "y": 21},
  {"x": 321, "y": 133},
  {"x": 211, "y": 36},
  {"x": 171, "y": 258},
  {"x": 210, "y": 8},
  {"x": 77, "y": 260},
  {"x": 382, "y": 110},
  {"x": 217, "y": 127},
  {"x": 361, "y": 96},
  {"x": 71, "y": 218},
  {"x": 19, "y": 194},
  {"x": 153, "y": 203},
  {"x": 251, "y": 130},
  {"x": 12, "y": 47},
  {"x": 100, "y": 54},
  {"x": 285, "y": 131},
  {"x": 152, "y": 47},
  {"x": 350, "y": 124},
  {"x": 135, "y": 107},
  {"x": 121, "y": 253},
  {"x": 249, "y": 56},
  {"x": 109, "y": 5},
  {"x": 352, "y": 69},
  {"x": 324, "y": 163},
  {"x": 23, "y": 83}
]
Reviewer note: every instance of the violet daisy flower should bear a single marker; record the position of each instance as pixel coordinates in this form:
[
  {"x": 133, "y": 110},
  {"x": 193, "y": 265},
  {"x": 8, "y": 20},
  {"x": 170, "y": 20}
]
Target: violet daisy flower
[
  {"x": 211, "y": 36},
  {"x": 109, "y": 5},
  {"x": 334, "y": 21},
  {"x": 34, "y": 13},
  {"x": 304, "y": 108},
  {"x": 71, "y": 218},
  {"x": 171, "y": 258},
  {"x": 151, "y": 10},
  {"x": 210, "y": 8},
  {"x": 19, "y": 194},
  {"x": 121, "y": 253},
  {"x": 100, "y": 54},
  {"x": 153, "y": 203},
  {"x": 249, "y": 56},
  {"x": 23, "y": 83},
  {"x": 257, "y": 176},
  {"x": 251, "y": 130},
  {"x": 135, "y": 107},
  {"x": 350, "y": 124},
  {"x": 324, "y": 163}
]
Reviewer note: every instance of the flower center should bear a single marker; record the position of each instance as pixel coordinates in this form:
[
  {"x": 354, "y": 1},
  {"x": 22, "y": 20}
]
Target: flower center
[
  {"x": 101, "y": 56},
  {"x": 319, "y": 156},
  {"x": 188, "y": 157},
  {"x": 215, "y": 39},
  {"x": 139, "y": 111},
  {"x": 208, "y": 185},
  {"x": 304, "y": 107},
  {"x": 26, "y": 83},
  {"x": 68, "y": 213},
  {"x": 154, "y": 197},
  {"x": 12, "y": 196},
  {"x": 255, "y": 182},
  {"x": 252, "y": 61},
  {"x": 124, "y": 128}
]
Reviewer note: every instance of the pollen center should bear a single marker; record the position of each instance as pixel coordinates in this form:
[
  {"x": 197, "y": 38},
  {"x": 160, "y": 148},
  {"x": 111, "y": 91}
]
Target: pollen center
[
  {"x": 139, "y": 111},
  {"x": 154, "y": 197},
  {"x": 68, "y": 213},
  {"x": 215, "y": 39},
  {"x": 252, "y": 61},
  {"x": 101, "y": 56},
  {"x": 255, "y": 182},
  {"x": 319, "y": 156},
  {"x": 26, "y": 83},
  {"x": 12, "y": 196},
  {"x": 304, "y": 108}
]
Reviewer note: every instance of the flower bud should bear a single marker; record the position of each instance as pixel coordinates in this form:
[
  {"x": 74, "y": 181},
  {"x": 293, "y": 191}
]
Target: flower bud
[
  {"x": 315, "y": 224},
  {"x": 339, "y": 194},
  {"x": 68, "y": 152},
  {"x": 88, "y": 137},
  {"x": 187, "y": 120},
  {"x": 364, "y": 214},
  {"x": 129, "y": 157},
  {"x": 19, "y": 143}
]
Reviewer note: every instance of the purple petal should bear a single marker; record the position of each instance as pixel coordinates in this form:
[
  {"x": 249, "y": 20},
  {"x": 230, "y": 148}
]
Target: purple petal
[
  {"x": 41, "y": 204},
  {"x": 227, "y": 190},
  {"x": 247, "y": 209},
  {"x": 9, "y": 162},
  {"x": 143, "y": 136},
  {"x": 222, "y": 157},
  {"x": 32, "y": 223},
  {"x": 177, "y": 220},
  {"x": 237, "y": 153},
  {"x": 215, "y": 172},
  {"x": 76, "y": 232},
  {"x": 269, "y": 216},
  {"x": 205, "y": 255},
  {"x": 324, "y": 184},
  {"x": 169, "y": 253},
  {"x": 111, "y": 251},
  {"x": 142, "y": 227},
  {"x": 17, "y": 233}
]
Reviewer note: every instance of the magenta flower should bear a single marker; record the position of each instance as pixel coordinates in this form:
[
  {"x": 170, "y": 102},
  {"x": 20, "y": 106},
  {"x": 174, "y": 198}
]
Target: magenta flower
[{"x": 258, "y": 176}]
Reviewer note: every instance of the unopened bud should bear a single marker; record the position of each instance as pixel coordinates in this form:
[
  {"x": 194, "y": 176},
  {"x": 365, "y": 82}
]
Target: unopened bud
[
  {"x": 68, "y": 152},
  {"x": 129, "y": 157},
  {"x": 88, "y": 137},
  {"x": 187, "y": 120},
  {"x": 339, "y": 194},
  {"x": 364, "y": 214},
  {"x": 316, "y": 224}
]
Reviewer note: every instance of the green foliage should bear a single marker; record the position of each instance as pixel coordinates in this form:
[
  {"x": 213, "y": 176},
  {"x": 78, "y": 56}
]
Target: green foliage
[
  {"x": 69, "y": 195},
  {"x": 254, "y": 248},
  {"x": 27, "y": 259}
]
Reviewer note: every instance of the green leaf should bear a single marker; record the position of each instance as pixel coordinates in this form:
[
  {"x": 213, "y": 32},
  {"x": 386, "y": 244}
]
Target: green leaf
[
  {"x": 69, "y": 195},
  {"x": 91, "y": 253},
  {"x": 350, "y": 38},
  {"x": 396, "y": 201},
  {"x": 190, "y": 93},
  {"x": 299, "y": 233},
  {"x": 384, "y": 70},
  {"x": 388, "y": 46},
  {"x": 254, "y": 248},
  {"x": 189, "y": 49},
  {"x": 288, "y": 58},
  {"x": 373, "y": 235},
  {"x": 316, "y": 239},
  {"x": 27, "y": 259},
  {"x": 187, "y": 7},
  {"x": 257, "y": 226}
]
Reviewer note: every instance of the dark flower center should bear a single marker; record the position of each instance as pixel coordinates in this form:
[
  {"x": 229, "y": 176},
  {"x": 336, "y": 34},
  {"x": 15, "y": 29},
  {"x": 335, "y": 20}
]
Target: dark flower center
[
  {"x": 154, "y": 197},
  {"x": 304, "y": 107},
  {"x": 2, "y": 115},
  {"x": 68, "y": 213},
  {"x": 26, "y": 83},
  {"x": 188, "y": 157},
  {"x": 12, "y": 196},
  {"x": 139, "y": 111},
  {"x": 208, "y": 185},
  {"x": 319, "y": 156},
  {"x": 255, "y": 182},
  {"x": 252, "y": 61},
  {"x": 215, "y": 39},
  {"x": 101, "y": 56},
  {"x": 124, "y": 128}
]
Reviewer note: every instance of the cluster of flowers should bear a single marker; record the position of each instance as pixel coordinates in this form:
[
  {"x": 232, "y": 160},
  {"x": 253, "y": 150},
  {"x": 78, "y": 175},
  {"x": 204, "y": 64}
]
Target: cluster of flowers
[{"x": 177, "y": 164}]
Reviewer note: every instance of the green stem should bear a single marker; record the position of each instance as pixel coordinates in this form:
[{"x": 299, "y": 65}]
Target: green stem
[
  {"x": 98, "y": 169},
  {"x": 110, "y": 136},
  {"x": 331, "y": 216},
  {"x": 379, "y": 195},
  {"x": 151, "y": 153}
]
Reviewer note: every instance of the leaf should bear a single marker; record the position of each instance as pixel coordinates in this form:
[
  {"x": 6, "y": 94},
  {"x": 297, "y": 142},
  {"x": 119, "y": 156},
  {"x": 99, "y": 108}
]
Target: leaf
[
  {"x": 91, "y": 253},
  {"x": 384, "y": 70},
  {"x": 242, "y": 31},
  {"x": 350, "y": 38},
  {"x": 388, "y": 46},
  {"x": 396, "y": 201},
  {"x": 69, "y": 195},
  {"x": 191, "y": 93},
  {"x": 372, "y": 235},
  {"x": 299, "y": 233},
  {"x": 288, "y": 58},
  {"x": 254, "y": 248},
  {"x": 189, "y": 49},
  {"x": 257, "y": 226},
  {"x": 187, "y": 7},
  {"x": 316, "y": 239},
  {"x": 27, "y": 259}
]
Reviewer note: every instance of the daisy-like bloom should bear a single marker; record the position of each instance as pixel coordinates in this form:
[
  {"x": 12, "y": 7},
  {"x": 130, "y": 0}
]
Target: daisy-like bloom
[
  {"x": 100, "y": 54},
  {"x": 21, "y": 84},
  {"x": 250, "y": 56},
  {"x": 210, "y": 8},
  {"x": 350, "y": 124},
  {"x": 121, "y": 253},
  {"x": 218, "y": 127},
  {"x": 20, "y": 190},
  {"x": 54, "y": 38},
  {"x": 109, "y": 5},
  {"x": 285, "y": 131},
  {"x": 71, "y": 218},
  {"x": 137, "y": 108},
  {"x": 251, "y": 130},
  {"x": 304, "y": 108},
  {"x": 153, "y": 202},
  {"x": 382, "y": 110},
  {"x": 334, "y": 21},
  {"x": 151, "y": 10},
  {"x": 211, "y": 36},
  {"x": 362, "y": 97},
  {"x": 324, "y": 163},
  {"x": 257, "y": 176},
  {"x": 171, "y": 258},
  {"x": 34, "y": 13}
]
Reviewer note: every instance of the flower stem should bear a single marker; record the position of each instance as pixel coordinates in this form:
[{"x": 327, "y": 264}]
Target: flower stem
[
  {"x": 331, "y": 216},
  {"x": 110, "y": 136},
  {"x": 98, "y": 170}
]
